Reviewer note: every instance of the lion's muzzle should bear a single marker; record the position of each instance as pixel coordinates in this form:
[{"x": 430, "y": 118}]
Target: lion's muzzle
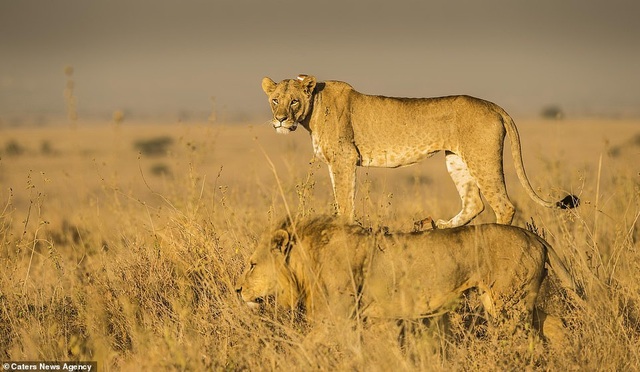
[{"x": 253, "y": 303}]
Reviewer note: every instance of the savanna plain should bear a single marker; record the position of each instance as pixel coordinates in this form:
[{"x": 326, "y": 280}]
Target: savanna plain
[{"x": 121, "y": 242}]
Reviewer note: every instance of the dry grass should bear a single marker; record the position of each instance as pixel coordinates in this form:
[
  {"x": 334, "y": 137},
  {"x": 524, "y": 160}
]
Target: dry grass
[{"x": 130, "y": 259}]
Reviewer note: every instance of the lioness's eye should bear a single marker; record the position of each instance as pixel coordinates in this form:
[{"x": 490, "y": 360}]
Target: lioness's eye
[
  {"x": 274, "y": 101},
  {"x": 294, "y": 102},
  {"x": 252, "y": 266}
]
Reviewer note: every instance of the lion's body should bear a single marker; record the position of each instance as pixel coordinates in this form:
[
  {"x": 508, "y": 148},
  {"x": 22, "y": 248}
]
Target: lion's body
[
  {"x": 333, "y": 269},
  {"x": 351, "y": 129}
]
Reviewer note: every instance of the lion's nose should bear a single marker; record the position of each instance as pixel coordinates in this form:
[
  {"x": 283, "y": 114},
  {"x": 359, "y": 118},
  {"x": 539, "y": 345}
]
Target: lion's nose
[{"x": 281, "y": 118}]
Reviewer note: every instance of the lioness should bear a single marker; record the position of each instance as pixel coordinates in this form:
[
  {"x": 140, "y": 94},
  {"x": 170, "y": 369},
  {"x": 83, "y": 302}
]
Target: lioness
[
  {"x": 334, "y": 269},
  {"x": 350, "y": 129}
]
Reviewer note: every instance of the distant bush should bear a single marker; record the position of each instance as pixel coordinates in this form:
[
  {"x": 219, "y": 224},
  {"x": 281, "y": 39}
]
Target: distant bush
[
  {"x": 155, "y": 146},
  {"x": 632, "y": 142},
  {"x": 46, "y": 148},
  {"x": 161, "y": 170},
  {"x": 635, "y": 140},
  {"x": 13, "y": 148},
  {"x": 552, "y": 112}
]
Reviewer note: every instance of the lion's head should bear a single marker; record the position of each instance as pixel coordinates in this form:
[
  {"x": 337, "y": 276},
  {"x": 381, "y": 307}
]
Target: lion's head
[
  {"x": 283, "y": 265},
  {"x": 267, "y": 275},
  {"x": 290, "y": 101}
]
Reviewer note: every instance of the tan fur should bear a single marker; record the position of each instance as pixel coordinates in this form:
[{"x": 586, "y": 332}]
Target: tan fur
[
  {"x": 333, "y": 269},
  {"x": 350, "y": 129}
]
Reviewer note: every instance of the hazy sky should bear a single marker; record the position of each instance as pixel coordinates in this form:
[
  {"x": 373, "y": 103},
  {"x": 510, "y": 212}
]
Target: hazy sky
[{"x": 165, "y": 56}]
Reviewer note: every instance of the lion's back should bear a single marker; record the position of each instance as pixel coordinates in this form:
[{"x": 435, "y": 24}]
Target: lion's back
[{"x": 404, "y": 274}]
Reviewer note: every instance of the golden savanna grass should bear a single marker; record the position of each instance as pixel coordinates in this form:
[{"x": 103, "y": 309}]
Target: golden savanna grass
[{"x": 121, "y": 243}]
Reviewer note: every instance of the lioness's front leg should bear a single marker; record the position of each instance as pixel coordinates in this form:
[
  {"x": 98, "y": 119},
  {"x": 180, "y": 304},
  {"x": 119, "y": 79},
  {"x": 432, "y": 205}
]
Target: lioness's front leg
[{"x": 343, "y": 179}]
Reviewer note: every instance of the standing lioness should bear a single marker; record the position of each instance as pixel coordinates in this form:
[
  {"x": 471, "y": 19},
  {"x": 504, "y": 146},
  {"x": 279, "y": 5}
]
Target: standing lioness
[{"x": 350, "y": 129}]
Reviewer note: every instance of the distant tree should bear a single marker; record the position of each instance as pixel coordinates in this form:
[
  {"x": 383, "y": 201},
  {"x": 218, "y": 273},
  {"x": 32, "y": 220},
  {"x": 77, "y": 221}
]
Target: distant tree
[{"x": 118, "y": 117}]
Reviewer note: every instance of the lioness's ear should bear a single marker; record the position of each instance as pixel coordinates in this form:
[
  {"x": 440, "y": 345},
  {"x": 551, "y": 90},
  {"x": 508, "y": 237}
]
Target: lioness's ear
[
  {"x": 307, "y": 82},
  {"x": 268, "y": 85},
  {"x": 280, "y": 241}
]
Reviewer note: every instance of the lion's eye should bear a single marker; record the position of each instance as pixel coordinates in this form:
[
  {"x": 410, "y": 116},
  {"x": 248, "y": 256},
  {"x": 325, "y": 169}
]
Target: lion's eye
[
  {"x": 274, "y": 101},
  {"x": 294, "y": 102},
  {"x": 252, "y": 266}
]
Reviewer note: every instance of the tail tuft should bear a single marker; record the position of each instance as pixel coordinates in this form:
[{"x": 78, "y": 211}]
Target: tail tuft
[{"x": 568, "y": 202}]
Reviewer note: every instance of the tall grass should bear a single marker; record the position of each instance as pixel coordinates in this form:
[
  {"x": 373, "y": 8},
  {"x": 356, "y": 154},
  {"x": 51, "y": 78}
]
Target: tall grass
[{"x": 145, "y": 280}]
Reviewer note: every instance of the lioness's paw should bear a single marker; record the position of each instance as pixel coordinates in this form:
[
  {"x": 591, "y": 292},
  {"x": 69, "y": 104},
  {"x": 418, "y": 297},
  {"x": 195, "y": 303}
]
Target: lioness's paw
[{"x": 424, "y": 224}]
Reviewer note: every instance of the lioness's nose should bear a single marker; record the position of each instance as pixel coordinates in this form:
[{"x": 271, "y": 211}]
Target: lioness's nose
[{"x": 281, "y": 118}]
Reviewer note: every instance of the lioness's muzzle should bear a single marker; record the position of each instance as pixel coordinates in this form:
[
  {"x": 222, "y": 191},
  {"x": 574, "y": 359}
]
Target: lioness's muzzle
[{"x": 282, "y": 128}]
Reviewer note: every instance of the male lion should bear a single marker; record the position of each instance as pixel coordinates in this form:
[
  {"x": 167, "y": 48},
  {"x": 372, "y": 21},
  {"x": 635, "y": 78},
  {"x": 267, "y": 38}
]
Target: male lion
[
  {"x": 350, "y": 129},
  {"x": 333, "y": 269}
]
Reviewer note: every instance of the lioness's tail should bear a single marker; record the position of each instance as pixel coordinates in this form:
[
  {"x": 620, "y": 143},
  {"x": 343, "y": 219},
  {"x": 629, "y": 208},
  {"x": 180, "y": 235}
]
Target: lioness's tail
[{"x": 569, "y": 201}]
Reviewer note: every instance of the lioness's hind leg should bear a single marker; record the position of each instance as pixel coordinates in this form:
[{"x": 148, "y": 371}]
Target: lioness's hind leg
[
  {"x": 467, "y": 188},
  {"x": 490, "y": 178},
  {"x": 496, "y": 195}
]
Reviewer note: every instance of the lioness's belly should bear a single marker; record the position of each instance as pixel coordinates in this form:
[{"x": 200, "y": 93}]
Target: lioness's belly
[
  {"x": 394, "y": 157},
  {"x": 401, "y": 139}
]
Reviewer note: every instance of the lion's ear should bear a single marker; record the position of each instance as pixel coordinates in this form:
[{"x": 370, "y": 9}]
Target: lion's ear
[
  {"x": 280, "y": 241},
  {"x": 268, "y": 85},
  {"x": 325, "y": 236},
  {"x": 307, "y": 82}
]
